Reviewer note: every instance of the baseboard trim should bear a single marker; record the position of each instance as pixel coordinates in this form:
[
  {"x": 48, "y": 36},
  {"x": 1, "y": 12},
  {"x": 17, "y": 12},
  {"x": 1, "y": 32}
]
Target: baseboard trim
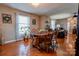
[{"x": 12, "y": 41}]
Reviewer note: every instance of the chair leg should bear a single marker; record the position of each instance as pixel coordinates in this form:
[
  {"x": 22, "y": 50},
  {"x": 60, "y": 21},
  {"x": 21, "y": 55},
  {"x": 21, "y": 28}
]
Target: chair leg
[{"x": 24, "y": 39}]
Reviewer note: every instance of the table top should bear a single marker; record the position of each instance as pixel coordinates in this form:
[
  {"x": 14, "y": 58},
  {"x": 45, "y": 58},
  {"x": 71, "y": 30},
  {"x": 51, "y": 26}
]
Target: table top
[{"x": 42, "y": 33}]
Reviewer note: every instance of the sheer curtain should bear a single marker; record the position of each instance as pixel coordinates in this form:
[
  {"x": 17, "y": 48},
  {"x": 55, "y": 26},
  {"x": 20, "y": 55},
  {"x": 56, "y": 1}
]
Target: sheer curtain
[
  {"x": 53, "y": 24},
  {"x": 22, "y": 26}
]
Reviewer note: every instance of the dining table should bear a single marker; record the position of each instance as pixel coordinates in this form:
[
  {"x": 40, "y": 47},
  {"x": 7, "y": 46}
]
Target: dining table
[{"x": 38, "y": 38}]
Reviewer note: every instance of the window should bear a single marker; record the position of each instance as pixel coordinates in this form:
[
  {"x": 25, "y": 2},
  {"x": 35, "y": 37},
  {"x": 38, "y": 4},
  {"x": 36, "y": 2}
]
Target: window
[
  {"x": 53, "y": 24},
  {"x": 23, "y": 25}
]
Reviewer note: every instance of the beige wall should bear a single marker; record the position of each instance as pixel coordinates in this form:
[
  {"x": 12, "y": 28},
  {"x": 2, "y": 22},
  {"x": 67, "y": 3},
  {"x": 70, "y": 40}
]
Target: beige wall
[
  {"x": 42, "y": 21},
  {"x": 9, "y": 30}
]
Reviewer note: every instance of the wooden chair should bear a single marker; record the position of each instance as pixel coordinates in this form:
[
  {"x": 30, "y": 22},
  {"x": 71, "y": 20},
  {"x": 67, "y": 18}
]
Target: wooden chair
[
  {"x": 41, "y": 42},
  {"x": 48, "y": 42},
  {"x": 35, "y": 41}
]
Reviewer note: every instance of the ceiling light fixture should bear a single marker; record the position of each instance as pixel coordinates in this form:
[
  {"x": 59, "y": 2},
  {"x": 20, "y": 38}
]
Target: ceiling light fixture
[{"x": 35, "y": 4}]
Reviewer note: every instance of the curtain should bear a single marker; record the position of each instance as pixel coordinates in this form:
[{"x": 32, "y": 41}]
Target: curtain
[
  {"x": 22, "y": 26},
  {"x": 53, "y": 24}
]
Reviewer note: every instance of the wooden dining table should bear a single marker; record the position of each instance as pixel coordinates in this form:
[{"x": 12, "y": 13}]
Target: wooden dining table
[
  {"x": 38, "y": 38},
  {"x": 39, "y": 34}
]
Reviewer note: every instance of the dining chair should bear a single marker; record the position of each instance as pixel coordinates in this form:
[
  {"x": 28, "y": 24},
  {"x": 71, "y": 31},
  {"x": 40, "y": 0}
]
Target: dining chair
[
  {"x": 48, "y": 42},
  {"x": 34, "y": 40}
]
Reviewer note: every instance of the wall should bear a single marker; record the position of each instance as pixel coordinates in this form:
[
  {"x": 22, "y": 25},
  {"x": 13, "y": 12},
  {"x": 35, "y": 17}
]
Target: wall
[
  {"x": 9, "y": 30},
  {"x": 42, "y": 21}
]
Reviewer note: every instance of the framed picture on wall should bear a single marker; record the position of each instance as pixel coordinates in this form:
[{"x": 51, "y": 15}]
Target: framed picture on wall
[
  {"x": 6, "y": 18},
  {"x": 34, "y": 22}
]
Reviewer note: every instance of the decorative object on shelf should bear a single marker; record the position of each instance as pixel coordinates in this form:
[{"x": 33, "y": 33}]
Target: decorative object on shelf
[
  {"x": 34, "y": 22},
  {"x": 46, "y": 22},
  {"x": 6, "y": 18},
  {"x": 47, "y": 27}
]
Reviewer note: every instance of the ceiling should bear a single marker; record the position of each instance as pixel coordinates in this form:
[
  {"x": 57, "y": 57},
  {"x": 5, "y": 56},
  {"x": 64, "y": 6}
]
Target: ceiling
[{"x": 46, "y": 8}]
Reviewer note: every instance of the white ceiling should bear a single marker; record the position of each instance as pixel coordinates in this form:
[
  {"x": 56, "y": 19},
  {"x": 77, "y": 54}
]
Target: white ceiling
[
  {"x": 46, "y": 8},
  {"x": 61, "y": 16}
]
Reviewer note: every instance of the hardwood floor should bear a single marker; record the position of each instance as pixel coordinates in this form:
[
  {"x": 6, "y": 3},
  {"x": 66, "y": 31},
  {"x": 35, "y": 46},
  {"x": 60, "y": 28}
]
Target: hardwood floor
[{"x": 21, "y": 48}]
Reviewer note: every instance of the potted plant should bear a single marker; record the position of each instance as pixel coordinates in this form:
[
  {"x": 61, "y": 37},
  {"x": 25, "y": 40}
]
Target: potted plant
[{"x": 26, "y": 34}]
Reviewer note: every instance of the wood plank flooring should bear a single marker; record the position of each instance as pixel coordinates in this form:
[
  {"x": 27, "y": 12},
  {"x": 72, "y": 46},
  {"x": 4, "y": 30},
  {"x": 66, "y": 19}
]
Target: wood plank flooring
[{"x": 21, "y": 48}]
